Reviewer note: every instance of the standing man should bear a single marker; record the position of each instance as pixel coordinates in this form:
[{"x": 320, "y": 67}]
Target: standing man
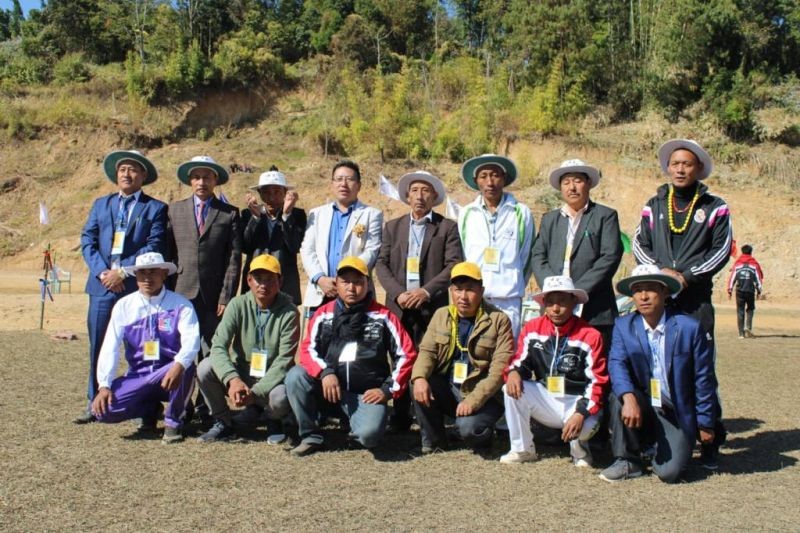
[
  {"x": 342, "y": 228},
  {"x": 581, "y": 240},
  {"x": 253, "y": 349},
  {"x": 664, "y": 390},
  {"x": 497, "y": 233},
  {"x": 159, "y": 332},
  {"x": 685, "y": 230},
  {"x": 121, "y": 226},
  {"x": 275, "y": 227},
  {"x": 746, "y": 276},
  {"x": 417, "y": 253},
  {"x": 459, "y": 369}
]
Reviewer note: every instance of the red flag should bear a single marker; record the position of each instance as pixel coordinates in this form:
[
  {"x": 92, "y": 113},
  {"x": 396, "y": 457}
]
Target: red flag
[{"x": 734, "y": 249}]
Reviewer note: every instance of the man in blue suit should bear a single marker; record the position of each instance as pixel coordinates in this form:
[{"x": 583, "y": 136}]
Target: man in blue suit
[
  {"x": 121, "y": 226},
  {"x": 663, "y": 383}
]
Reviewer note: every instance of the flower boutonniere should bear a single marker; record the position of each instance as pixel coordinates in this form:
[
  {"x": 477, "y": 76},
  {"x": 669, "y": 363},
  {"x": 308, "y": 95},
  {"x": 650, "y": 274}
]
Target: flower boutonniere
[{"x": 359, "y": 230}]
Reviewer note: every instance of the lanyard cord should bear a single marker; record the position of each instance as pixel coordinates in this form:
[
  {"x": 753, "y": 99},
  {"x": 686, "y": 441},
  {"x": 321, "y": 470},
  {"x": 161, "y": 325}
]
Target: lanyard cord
[
  {"x": 261, "y": 326},
  {"x": 455, "y": 341},
  {"x": 557, "y": 353}
]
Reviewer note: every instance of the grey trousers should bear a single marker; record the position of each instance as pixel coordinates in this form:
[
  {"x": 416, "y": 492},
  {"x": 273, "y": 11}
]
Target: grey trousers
[{"x": 276, "y": 404}]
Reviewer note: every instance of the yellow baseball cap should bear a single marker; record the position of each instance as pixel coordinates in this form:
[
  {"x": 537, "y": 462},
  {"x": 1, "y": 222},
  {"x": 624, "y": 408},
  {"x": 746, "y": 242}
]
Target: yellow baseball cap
[
  {"x": 466, "y": 270},
  {"x": 353, "y": 262},
  {"x": 266, "y": 262}
]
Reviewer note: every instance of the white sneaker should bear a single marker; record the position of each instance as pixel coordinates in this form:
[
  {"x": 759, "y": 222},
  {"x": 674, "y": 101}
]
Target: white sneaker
[
  {"x": 581, "y": 454},
  {"x": 519, "y": 457}
]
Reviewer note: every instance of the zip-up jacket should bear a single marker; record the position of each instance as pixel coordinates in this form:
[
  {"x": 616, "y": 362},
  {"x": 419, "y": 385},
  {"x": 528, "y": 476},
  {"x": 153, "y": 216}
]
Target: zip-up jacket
[
  {"x": 580, "y": 359},
  {"x": 381, "y": 337},
  {"x": 746, "y": 275},
  {"x": 706, "y": 243}
]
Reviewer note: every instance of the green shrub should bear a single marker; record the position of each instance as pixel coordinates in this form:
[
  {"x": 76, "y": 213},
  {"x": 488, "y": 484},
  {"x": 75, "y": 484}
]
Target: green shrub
[{"x": 72, "y": 68}]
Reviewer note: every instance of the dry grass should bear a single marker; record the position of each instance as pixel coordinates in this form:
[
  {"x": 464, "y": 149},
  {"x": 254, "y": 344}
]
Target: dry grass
[{"x": 57, "y": 476}]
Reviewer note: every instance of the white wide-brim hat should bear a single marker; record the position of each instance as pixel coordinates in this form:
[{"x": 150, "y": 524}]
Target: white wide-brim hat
[
  {"x": 420, "y": 175},
  {"x": 469, "y": 171},
  {"x": 151, "y": 260},
  {"x": 202, "y": 161},
  {"x": 114, "y": 159},
  {"x": 271, "y": 177},
  {"x": 560, "y": 284},
  {"x": 575, "y": 166},
  {"x": 668, "y": 147},
  {"x": 648, "y": 273}
]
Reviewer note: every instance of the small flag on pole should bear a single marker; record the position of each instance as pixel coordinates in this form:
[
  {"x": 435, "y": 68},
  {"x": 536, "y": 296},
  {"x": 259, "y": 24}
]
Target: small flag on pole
[
  {"x": 626, "y": 242},
  {"x": 387, "y": 189},
  {"x": 452, "y": 209},
  {"x": 44, "y": 216}
]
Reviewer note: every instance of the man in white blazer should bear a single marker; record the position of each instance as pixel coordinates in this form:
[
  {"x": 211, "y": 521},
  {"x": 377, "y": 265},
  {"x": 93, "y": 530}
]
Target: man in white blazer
[{"x": 342, "y": 228}]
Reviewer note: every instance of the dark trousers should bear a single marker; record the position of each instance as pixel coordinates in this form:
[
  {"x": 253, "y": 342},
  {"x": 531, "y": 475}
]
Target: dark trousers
[
  {"x": 476, "y": 429},
  {"x": 208, "y": 321},
  {"x": 97, "y": 322},
  {"x": 745, "y": 307},
  {"x": 659, "y": 428}
]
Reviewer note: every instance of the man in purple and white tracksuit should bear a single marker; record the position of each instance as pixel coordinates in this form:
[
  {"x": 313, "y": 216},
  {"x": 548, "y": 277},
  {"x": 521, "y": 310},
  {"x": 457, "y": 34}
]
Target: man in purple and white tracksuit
[{"x": 161, "y": 336}]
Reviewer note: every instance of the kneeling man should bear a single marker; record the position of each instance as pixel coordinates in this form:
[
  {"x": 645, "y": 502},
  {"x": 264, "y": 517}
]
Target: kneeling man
[
  {"x": 252, "y": 350},
  {"x": 344, "y": 362},
  {"x": 558, "y": 376},
  {"x": 663, "y": 381},
  {"x": 459, "y": 371},
  {"x": 161, "y": 336}
]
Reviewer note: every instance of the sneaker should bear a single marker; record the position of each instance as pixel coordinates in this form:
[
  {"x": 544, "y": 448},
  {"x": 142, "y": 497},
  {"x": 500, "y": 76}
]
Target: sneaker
[
  {"x": 275, "y": 434},
  {"x": 249, "y": 416},
  {"x": 621, "y": 470},
  {"x": 581, "y": 454},
  {"x": 219, "y": 431},
  {"x": 709, "y": 457},
  {"x": 748, "y": 334},
  {"x": 306, "y": 448},
  {"x": 741, "y": 336},
  {"x": 429, "y": 450},
  {"x": 85, "y": 417},
  {"x": 172, "y": 435},
  {"x": 519, "y": 457},
  {"x": 146, "y": 424}
]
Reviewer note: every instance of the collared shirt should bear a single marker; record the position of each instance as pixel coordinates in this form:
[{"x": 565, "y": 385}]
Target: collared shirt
[
  {"x": 206, "y": 207},
  {"x": 120, "y": 199},
  {"x": 416, "y": 234},
  {"x": 167, "y": 316},
  {"x": 655, "y": 338},
  {"x": 573, "y": 221},
  {"x": 337, "y": 235}
]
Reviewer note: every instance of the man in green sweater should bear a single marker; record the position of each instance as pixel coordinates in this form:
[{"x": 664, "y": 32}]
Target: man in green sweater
[{"x": 251, "y": 352}]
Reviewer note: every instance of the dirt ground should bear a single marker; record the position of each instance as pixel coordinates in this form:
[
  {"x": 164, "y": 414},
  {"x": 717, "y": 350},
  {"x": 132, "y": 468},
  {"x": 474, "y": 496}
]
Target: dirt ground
[{"x": 58, "y": 476}]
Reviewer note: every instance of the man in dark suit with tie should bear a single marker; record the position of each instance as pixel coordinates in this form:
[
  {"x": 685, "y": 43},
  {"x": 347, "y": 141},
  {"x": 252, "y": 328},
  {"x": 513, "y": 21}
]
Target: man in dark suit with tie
[
  {"x": 121, "y": 226},
  {"x": 205, "y": 245},
  {"x": 581, "y": 240},
  {"x": 417, "y": 253},
  {"x": 275, "y": 227}
]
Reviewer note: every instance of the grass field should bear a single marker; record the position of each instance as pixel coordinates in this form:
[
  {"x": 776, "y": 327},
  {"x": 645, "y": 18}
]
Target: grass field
[{"x": 58, "y": 476}]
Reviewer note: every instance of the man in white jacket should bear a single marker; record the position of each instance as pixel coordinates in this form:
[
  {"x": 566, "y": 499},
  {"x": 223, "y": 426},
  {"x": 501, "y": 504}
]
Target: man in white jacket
[{"x": 497, "y": 233}]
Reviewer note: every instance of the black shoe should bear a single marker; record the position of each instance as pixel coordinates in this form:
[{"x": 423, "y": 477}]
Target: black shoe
[
  {"x": 85, "y": 417},
  {"x": 248, "y": 417},
  {"x": 306, "y": 448},
  {"x": 219, "y": 431},
  {"x": 709, "y": 457}
]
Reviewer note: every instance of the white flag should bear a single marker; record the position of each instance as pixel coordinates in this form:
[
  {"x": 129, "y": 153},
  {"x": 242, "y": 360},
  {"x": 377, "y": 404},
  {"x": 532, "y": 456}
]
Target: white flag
[
  {"x": 44, "y": 217},
  {"x": 387, "y": 189},
  {"x": 452, "y": 209}
]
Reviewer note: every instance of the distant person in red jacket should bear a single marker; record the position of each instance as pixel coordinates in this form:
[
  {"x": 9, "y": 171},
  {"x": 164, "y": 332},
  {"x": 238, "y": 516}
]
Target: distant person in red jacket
[{"x": 747, "y": 277}]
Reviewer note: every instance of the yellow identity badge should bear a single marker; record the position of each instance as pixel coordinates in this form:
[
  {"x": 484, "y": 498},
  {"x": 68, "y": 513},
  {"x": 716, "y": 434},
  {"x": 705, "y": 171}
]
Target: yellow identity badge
[
  {"x": 152, "y": 350},
  {"x": 655, "y": 392},
  {"x": 460, "y": 370},
  {"x": 491, "y": 259},
  {"x": 555, "y": 386},
  {"x": 118, "y": 243},
  {"x": 258, "y": 363},
  {"x": 412, "y": 268}
]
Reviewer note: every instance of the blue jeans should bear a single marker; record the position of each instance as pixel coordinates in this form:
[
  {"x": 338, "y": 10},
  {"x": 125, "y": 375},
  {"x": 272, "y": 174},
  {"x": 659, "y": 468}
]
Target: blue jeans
[{"x": 367, "y": 421}]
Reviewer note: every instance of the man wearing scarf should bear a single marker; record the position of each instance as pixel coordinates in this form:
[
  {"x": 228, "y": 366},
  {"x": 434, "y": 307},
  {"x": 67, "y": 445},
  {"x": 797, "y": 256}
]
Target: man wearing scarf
[{"x": 344, "y": 362}]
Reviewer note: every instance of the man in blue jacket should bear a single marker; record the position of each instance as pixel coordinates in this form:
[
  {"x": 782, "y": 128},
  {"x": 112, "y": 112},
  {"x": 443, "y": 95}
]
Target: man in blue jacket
[
  {"x": 121, "y": 226},
  {"x": 663, "y": 383}
]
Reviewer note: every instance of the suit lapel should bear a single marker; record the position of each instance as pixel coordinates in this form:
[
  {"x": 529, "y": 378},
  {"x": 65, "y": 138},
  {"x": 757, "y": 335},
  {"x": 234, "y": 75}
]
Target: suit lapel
[
  {"x": 323, "y": 229},
  {"x": 431, "y": 227},
  {"x": 641, "y": 334},
  {"x": 581, "y": 231},
  {"x": 670, "y": 339},
  {"x": 355, "y": 216},
  {"x": 138, "y": 207},
  {"x": 402, "y": 239},
  {"x": 560, "y": 239},
  {"x": 213, "y": 211}
]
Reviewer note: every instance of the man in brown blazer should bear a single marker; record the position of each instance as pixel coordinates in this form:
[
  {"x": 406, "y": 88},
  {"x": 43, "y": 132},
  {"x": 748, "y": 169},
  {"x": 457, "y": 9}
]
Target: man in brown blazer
[
  {"x": 205, "y": 244},
  {"x": 417, "y": 252}
]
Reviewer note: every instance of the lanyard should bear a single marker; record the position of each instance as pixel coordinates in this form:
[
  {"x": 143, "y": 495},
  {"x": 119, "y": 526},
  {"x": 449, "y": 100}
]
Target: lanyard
[
  {"x": 655, "y": 351},
  {"x": 260, "y": 326},
  {"x": 152, "y": 318},
  {"x": 415, "y": 235},
  {"x": 456, "y": 342},
  {"x": 557, "y": 354},
  {"x": 122, "y": 213},
  {"x": 490, "y": 229}
]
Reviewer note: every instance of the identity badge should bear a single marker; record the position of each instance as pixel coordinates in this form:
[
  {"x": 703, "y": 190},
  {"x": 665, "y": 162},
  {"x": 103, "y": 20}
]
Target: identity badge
[
  {"x": 258, "y": 363},
  {"x": 460, "y": 371},
  {"x": 152, "y": 350},
  {"x": 491, "y": 259},
  {"x": 655, "y": 392},
  {"x": 555, "y": 386},
  {"x": 348, "y": 354},
  {"x": 412, "y": 268},
  {"x": 118, "y": 243}
]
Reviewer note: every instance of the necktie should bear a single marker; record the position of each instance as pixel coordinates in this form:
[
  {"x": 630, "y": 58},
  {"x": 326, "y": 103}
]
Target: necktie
[
  {"x": 201, "y": 216},
  {"x": 122, "y": 214}
]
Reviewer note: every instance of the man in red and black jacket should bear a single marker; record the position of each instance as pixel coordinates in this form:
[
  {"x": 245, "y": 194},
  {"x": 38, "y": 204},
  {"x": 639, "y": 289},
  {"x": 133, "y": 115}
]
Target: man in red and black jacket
[
  {"x": 558, "y": 376},
  {"x": 344, "y": 362}
]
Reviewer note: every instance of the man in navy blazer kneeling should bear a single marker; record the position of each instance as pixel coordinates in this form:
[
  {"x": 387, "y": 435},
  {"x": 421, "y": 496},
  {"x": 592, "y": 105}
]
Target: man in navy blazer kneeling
[{"x": 663, "y": 381}]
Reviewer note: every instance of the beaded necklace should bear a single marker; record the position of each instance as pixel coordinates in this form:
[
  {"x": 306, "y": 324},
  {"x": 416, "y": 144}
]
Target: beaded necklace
[{"x": 672, "y": 209}]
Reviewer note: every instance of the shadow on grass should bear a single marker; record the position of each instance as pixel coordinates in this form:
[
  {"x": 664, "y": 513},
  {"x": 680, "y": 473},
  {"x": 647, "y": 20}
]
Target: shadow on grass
[
  {"x": 765, "y": 451},
  {"x": 776, "y": 336}
]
